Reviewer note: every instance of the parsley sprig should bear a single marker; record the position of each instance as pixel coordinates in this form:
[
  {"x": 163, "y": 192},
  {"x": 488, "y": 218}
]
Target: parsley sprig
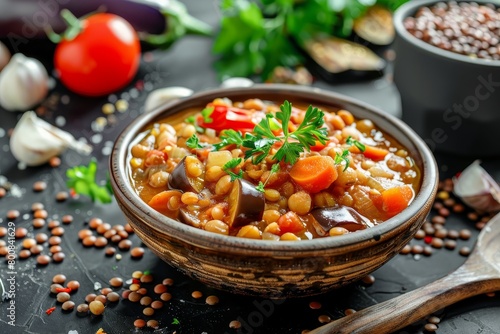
[
  {"x": 274, "y": 169},
  {"x": 293, "y": 143},
  {"x": 231, "y": 164},
  {"x": 82, "y": 180}
]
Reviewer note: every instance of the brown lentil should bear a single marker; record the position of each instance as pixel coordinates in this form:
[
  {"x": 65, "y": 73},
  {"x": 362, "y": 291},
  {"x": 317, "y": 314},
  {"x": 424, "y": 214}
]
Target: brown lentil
[
  {"x": 441, "y": 233},
  {"x": 37, "y": 206},
  {"x": 53, "y": 224},
  {"x": 54, "y": 240},
  {"x": 427, "y": 250},
  {"x": 58, "y": 257},
  {"x": 128, "y": 228},
  {"x": 139, "y": 323},
  {"x": 67, "y": 219},
  {"x": 96, "y": 307},
  {"x": 21, "y": 232},
  {"x": 40, "y": 214},
  {"x": 464, "y": 251},
  {"x": 55, "y": 249},
  {"x": 24, "y": 254},
  {"x": 349, "y": 311},
  {"x": 116, "y": 282},
  {"x": 134, "y": 296},
  {"x": 146, "y": 301},
  {"x": 430, "y": 327},
  {"x": 490, "y": 294},
  {"x": 57, "y": 231},
  {"x": 4, "y": 250},
  {"x": 480, "y": 225},
  {"x": 55, "y": 162},
  {"x": 142, "y": 291},
  {"x": 235, "y": 324},
  {"x": 28, "y": 243},
  {"x": 160, "y": 288},
  {"x": 453, "y": 234},
  {"x": 68, "y": 305},
  {"x": 444, "y": 212},
  {"x": 125, "y": 294},
  {"x": 125, "y": 244},
  {"x": 148, "y": 311},
  {"x": 168, "y": 281},
  {"x": 36, "y": 249},
  {"x": 434, "y": 320},
  {"x": 437, "y": 205},
  {"x": 420, "y": 234},
  {"x": 417, "y": 249},
  {"x": 3, "y": 192},
  {"x": 13, "y": 214},
  {"x": 368, "y": 279},
  {"x": 54, "y": 287},
  {"x": 324, "y": 319},
  {"x": 113, "y": 296},
  {"x": 450, "y": 244},
  {"x": 110, "y": 251},
  {"x": 137, "y": 252},
  {"x": 101, "y": 229},
  {"x": 43, "y": 259},
  {"x": 62, "y": 297},
  {"x": 101, "y": 298},
  {"x": 59, "y": 279},
  {"x": 39, "y": 186},
  {"x": 165, "y": 296},
  {"x": 153, "y": 324},
  {"x": 211, "y": 300},
  {"x": 95, "y": 222},
  {"x": 437, "y": 243},
  {"x": 458, "y": 208},
  {"x": 109, "y": 233},
  {"x": 123, "y": 234},
  {"x": 157, "y": 304},
  {"x": 405, "y": 250},
  {"x": 100, "y": 242},
  {"x": 146, "y": 278},
  {"x": 465, "y": 234},
  {"x": 438, "y": 220},
  {"x": 38, "y": 223},
  {"x": 73, "y": 285},
  {"x": 82, "y": 234},
  {"x": 82, "y": 308},
  {"x": 89, "y": 241},
  {"x": 196, "y": 294},
  {"x": 315, "y": 305},
  {"x": 90, "y": 297},
  {"x": 62, "y": 196},
  {"x": 3, "y": 231}
]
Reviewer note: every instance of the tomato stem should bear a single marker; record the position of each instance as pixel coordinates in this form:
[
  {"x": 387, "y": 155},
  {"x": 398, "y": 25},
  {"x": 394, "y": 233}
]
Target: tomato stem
[{"x": 74, "y": 28}]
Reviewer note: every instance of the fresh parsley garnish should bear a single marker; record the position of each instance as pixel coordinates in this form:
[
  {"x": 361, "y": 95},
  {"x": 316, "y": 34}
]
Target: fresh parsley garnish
[
  {"x": 274, "y": 169},
  {"x": 292, "y": 143},
  {"x": 191, "y": 119},
  {"x": 82, "y": 180},
  {"x": 175, "y": 321},
  {"x": 352, "y": 141},
  {"x": 233, "y": 163},
  {"x": 205, "y": 113},
  {"x": 193, "y": 142},
  {"x": 228, "y": 137},
  {"x": 344, "y": 157}
]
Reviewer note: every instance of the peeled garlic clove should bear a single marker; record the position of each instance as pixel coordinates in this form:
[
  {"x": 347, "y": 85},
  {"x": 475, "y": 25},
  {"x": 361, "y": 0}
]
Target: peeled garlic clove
[
  {"x": 35, "y": 141},
  {"x": 477, "y": 188},
  {"x": 163, "y": 95},
  {"x": 23, "y": 83},
  {"x": 4, "y": 56}
]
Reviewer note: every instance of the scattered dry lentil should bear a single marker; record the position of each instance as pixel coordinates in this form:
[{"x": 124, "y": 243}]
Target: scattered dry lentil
[
  {"x": 39, "y": 186},
  {"x": 110, "y": 251},
  {"x": 100, "y": 242},
  {"x": 67, "y": 219},
  {"x": 453, "y": 234},
  {"x": 160, "y": 288},
  {"x": 54, "y": 240},
  {"x": 148, "y": 311},
  {"x": 165, "y": 296},
  {"x": 465, "y": 234},
  {"x": 430, "y": 327},
  {"x": 90, "y": 297},
  {"x": 153, "y": 324},
  {"x": 24, "y": 254},
  {"x": 82, "y": 308},
  {"x": 21, "y": 232},
  {"x": 101, "y": 298},
  {"x": 146, "y": 278},
  {"x": 464, "y": 251},
  {"x": 38, "y": 223},
  {"x": 43, "y": 259},
  {"x": 235, "y": 324},
  {"x": 324, "y": 319},
  {"x": 168, "y": 281},
  {"x": 55, "y": 162},
  {"x": 53, "y": 223},
  {"x": 368, "y": 279},
  {"x": 73, "y": 285},
  {"x": 62, "y": 196},
  {"x": 434, "y": 320},
  {"x": 349, "y": 311},
  {"x": 405, "y": 250},
  {"x": 59, "y": 279},
  {"x": 137, "y": 252},
  {"x": 139, "y": 323},
  {"x": 36, "y": 249},
  {"x": 450, "y": 244},
  {"x": 62, "y": 297},
  {"x": 55, "y": 249},
  {"x": 95, "y": 222},
  {"x": 113, "y": 296},
  {"x": 96, "y": 307},
  {"x": 3, "y": 231},
  {"x": 57, "y": 231},
  {"x": 124, "y": 244},
  {"x": 68, "y": 305},
  {"x": 196, "y": 294},
  {"x": 37, "y": 206},
  {"x": 420, "y": 234},
  {"x": 146, "y": 301},
  {"x": 12, "y": 214},
  {"x": 40, "y": 214},
  {"x": 89, "y": 241},
  {"x": 134, "y": 296},
  {"x": 116, "y": 282}
]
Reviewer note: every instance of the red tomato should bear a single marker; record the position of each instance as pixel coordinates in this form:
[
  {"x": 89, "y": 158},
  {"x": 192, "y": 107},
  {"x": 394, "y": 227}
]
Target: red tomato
[
  {"x": 102, "y": 58},
  {"x": 290, "y": 222},
  {"x": 223, "y": 118}
]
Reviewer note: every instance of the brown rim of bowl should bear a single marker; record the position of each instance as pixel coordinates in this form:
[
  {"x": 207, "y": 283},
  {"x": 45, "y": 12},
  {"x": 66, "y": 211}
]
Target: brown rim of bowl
[
  {"x": 186, "y": 233},
  {"x": 410, "y": 8}
]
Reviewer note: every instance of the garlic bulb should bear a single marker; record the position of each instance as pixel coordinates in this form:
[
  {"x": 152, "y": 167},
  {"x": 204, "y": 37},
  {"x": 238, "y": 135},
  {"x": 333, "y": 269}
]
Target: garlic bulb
[
  {"x": 34, "y": 141},
  {"x": 23, "y": 83},
  {"x": 477, "y": 188},
  {"x": 4, "y": 55},
  {"x": 163, "y": 95}
]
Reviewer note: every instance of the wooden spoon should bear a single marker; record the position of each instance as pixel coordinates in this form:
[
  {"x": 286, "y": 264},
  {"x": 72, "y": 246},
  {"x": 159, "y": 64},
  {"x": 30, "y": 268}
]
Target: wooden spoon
[{"x": 479, "y": 274}]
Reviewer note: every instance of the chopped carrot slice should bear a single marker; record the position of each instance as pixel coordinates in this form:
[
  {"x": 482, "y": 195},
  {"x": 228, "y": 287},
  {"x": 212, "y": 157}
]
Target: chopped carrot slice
[
  {"x": 160, "y": 200},
  {"x": 375, "y": 153},
  {"x": 395, "y": 200},
  {"x": 314, "y": 173}
]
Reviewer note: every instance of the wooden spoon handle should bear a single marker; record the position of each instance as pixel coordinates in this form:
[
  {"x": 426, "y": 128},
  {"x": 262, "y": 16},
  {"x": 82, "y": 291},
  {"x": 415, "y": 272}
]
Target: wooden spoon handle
[{"x": 410, "y": 307}]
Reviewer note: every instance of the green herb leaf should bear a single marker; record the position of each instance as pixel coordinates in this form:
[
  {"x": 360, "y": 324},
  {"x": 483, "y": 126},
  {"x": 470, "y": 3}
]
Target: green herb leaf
[
  {"x": 260, "y": 187},
  {"x": 193, "y": 142},
  {"x": 233, "y": 163},
  {"x": 352, "y": 141},
  {"x": 274, "y": 169},
  {"x": 229, "y": 137},
  {"x": 206, "y": 112},
  {"x": 175, "y": 321},
  {"x": 82, "y": 180},
  {"x": 343, "y": 158},
  {"x": 191, "y": 119}
]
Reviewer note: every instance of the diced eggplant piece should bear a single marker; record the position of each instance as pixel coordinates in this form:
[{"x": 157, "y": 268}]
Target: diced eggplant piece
[
  {"x": 341, "y": 216},
  {"x": 375, "y": 26},
  {"x": 246, "y": 203},
  {"x": 188, "y": 218},
  {"x": 179, "y": 178}
]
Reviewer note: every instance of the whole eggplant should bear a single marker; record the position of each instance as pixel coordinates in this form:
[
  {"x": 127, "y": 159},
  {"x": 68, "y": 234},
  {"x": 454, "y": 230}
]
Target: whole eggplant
[{"x": 159, "y": 22}]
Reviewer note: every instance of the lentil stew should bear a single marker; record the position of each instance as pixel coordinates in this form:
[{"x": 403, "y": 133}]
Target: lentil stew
[{"x": 265, "y": 170}]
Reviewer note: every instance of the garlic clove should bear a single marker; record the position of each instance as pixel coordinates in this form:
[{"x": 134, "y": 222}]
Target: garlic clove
[
  {"x": 477, "y": 188},
  {"x": 163, "y": 95},
  {"x": 23, "y": 83},
  {"x": 4, "y": 56},
  {"x": 34, "y": 141},
  {"x": 236, "y": 82}
]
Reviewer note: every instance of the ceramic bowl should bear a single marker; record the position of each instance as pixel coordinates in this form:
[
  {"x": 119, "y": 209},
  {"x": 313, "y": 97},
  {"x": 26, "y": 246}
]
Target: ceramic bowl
[
  {"x": 450, "y": 100},
  {"x": 268, "y": 268}
]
